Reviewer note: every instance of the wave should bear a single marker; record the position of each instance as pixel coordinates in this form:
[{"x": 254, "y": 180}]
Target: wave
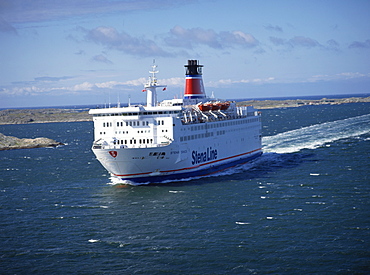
[{"x": 317, "y": 135}]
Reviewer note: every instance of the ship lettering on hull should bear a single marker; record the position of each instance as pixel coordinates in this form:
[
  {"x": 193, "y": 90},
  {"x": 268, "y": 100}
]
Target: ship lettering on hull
[{"x": 207, "y": 155}]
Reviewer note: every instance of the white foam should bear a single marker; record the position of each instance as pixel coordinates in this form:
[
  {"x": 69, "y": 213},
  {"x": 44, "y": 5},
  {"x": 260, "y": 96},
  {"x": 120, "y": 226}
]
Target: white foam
[
  {"x": 318, "y": 135},
  {"x": 242, "y": 222},
  {"x": 93, "y": 241},
  {"x": 119, "y": 181}
]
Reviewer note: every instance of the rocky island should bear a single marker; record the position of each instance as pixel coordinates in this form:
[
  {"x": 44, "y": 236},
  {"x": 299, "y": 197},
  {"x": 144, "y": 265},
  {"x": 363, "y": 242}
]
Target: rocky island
[
  {"x": 9, "y": 142},
  {"x": 26, "y": 116}
]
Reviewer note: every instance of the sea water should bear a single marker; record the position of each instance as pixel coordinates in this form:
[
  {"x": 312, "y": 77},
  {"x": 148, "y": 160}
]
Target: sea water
[{"x": 303, "y": 207}]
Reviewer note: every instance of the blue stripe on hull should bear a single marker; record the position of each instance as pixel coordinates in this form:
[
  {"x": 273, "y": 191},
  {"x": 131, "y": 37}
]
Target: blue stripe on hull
[{"x": 199, "y": 173}]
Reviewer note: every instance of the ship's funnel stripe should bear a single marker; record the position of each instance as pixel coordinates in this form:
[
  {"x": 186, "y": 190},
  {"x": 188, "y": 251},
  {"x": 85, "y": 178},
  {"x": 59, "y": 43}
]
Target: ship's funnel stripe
[
  {"x": 193, "y": 77},
  {"x": 194, "y": 86}
]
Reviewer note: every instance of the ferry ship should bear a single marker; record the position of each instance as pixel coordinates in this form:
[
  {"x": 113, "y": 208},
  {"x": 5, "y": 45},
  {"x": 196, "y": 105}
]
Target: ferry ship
[{"x": 175, "y": 139}]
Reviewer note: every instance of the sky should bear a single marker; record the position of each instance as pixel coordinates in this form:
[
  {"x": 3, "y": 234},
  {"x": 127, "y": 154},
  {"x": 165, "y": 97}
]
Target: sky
[{"x": 87, "y": 52}]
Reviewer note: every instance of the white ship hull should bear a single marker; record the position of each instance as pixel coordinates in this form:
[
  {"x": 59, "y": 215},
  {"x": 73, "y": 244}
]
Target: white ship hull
[
  {"x": 178, "y": 138},
  {"x": 198, "y": 157}
]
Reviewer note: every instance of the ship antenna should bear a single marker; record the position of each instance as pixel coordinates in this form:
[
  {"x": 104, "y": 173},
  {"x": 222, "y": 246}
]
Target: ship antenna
[
  {"x": 151, "y": 86},
  {"x": 118, "y": 103},
  {"x": 153, "y": 79}
]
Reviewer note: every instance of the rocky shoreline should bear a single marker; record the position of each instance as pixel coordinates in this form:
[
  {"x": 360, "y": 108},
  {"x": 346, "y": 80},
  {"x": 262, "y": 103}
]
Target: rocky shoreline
[
  {"x": 26, "y": 116},
  {"x": 10, "y": 143},
  {"x": 272, "y": 104}
]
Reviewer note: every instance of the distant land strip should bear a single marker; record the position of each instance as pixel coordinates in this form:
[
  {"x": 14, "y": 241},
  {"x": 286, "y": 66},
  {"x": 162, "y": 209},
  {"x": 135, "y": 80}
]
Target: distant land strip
[
  {"x": 272, "y": 104},
  {"x": 26, "y": 116}
]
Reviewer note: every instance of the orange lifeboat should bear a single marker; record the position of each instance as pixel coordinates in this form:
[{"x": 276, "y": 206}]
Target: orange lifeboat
[
  {"x": 216, "y": 106},
  {"x": 205, "y": 107},
  {"x": 225, "y": 105}
]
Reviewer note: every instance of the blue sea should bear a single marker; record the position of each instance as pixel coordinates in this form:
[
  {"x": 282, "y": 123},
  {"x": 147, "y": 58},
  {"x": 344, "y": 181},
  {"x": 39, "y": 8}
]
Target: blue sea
[{"x": 301, "y": 208}]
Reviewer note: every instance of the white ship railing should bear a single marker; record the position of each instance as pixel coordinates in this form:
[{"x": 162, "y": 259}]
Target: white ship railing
[
  {"x": 194, "y": 115},
  {"x": 123, "y": 146}
]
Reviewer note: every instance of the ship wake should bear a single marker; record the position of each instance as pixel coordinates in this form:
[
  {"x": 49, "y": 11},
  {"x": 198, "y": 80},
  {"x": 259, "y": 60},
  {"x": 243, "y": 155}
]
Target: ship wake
[{"x": 317, "y": 135}]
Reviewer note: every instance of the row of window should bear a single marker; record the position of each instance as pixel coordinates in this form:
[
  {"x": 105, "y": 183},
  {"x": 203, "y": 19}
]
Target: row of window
[
  {"x": 191, "y": 137},
  {"x": 222, "y": 124},
  {"x": 218, "y": 133},
  {"x": 132, "y": 123},
  {"x": 193, "y": 127},
  {"x": 139, "y": 113},
  {"x": 133, "y": 141}
]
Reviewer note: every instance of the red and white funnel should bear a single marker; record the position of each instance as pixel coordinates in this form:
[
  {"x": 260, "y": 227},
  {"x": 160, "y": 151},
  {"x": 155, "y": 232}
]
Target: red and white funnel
[{"x": 194, "y": 88}]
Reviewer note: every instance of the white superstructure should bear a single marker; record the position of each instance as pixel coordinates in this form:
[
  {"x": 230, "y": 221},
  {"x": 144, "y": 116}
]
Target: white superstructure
[{"x": 178, "y": 138}]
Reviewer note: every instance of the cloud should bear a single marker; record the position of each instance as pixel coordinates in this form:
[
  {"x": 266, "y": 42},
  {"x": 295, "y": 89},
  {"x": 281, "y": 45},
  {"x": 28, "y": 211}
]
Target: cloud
[
  {"x": 80, "y": 52},
  {"x": 274, "y": 28},
  {"x": 86, "y": 86},
  {"x": 339, "y": 76},
  {"x": 238, "y": 38},
  {"x": 302, "y": 41},
  {"x": 174, "y": 82},
  {"x": 223, "y": 82},
  {"x": 6, "y": 27},
  {"x": 101, "y": 58},
  {"x": 23, "y": 11},
  {"x": 18, "y": 91},
  {"x": 360, "y": 45},
  {"x": 122, "y": 41},
  {"x": 189, "y": 38},
  {"x": 332, "y": 45},
  {"x": 37, "y": 88},
  {"x": 52, "y": 78},
  {"x": 43, "y": 79},
  {"x": 170, "y": 82},
  {"x": 278, "y": 41},
  {"x": 295, "y": 42}
]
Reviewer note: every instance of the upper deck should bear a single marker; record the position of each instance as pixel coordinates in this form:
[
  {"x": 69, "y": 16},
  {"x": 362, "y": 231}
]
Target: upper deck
[
  {"x": 161, "y": 123},
  {"x": 135, "y": 111}
]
